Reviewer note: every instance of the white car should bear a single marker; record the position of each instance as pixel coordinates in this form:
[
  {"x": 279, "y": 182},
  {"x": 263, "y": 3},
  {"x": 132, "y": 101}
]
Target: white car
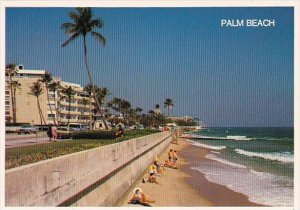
[
  {"x": 77, "y": 127},
  {"x": 27, "y": 129}
]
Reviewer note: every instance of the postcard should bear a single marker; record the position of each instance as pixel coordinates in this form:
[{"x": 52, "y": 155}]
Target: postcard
[{"x": 163, "y": 104}]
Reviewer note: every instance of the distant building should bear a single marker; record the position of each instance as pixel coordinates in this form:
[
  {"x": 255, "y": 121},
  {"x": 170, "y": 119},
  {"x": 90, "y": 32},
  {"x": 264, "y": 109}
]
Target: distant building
[
  {"x": 181, "y": 118},
  {"x": 26, "y": 104}
]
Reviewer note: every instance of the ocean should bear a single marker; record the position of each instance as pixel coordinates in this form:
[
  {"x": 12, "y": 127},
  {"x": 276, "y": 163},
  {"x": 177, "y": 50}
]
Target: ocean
[{"x": 258, "y": 163}]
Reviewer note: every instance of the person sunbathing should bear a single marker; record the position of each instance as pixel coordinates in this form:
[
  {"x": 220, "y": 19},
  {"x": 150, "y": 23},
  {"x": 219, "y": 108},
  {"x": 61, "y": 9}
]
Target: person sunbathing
[
  {"x": 152, "y": 178},
  {"x": 169, "y": 164},
  {"x": 159, "y": 166},
  {"x": 139, "y": 197}
]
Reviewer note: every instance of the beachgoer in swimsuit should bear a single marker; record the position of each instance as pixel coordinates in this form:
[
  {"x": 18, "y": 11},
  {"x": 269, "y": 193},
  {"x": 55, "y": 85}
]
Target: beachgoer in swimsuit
[
  {"x": 158, "y": 166},
  {"x": 169, "y": 164},
  {"x": 175, "y": 157},
  {"x": 170, "y": 155},
  {"x": 139, "y": 197}
]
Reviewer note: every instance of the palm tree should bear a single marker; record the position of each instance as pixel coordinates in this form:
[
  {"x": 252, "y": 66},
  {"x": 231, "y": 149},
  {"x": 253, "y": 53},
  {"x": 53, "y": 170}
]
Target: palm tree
[
  {"x": 82, "y": 25},
  {"x": 169, "y": 104},
  {"x": 54, "y": 87},
  {"x": 197, "y": 119},
  {"x": 69, "y": 92},
  {"x": 101, "y": 93},
  {"x": 47, "y": 79},
  {"x": 157, "y": 109},
  {"x": 124, "y": 107},
  {"x": 138, "y": 110},
  {"x": 151, "y": 117},
  {"x": 10, "y": 70},
  {"x": 114, "y": 104},
  {"x": 15, "y": 85},
  {"x": 37, "y": 90}
]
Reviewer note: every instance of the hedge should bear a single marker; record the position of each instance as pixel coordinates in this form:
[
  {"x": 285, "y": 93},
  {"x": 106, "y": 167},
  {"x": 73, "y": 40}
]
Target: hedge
[{"x": 94, "y": 135}]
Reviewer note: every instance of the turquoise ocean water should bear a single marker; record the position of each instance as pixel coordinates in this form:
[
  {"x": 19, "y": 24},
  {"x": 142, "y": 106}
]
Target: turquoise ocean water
[{"x": 259, "y": 162}]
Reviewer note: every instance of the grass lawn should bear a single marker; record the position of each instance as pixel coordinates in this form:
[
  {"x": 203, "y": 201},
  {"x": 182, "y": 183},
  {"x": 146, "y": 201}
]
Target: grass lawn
[{"x": 19, "y": 156}]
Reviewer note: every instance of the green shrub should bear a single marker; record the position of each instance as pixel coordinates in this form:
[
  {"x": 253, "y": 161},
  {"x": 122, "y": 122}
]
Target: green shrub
[{"x": 94, "y": 135}]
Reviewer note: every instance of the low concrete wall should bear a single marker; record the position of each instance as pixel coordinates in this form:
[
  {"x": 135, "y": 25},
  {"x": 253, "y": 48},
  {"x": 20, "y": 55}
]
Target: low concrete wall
[{"x": 95, "y": 177}]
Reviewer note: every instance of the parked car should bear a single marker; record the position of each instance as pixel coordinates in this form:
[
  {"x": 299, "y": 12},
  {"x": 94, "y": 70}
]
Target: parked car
[
  {"x": 141, "y": 127},
  {"x": 77, "y": 127},
  {"x": 63, "y": 133},
  {"x": 27, "y": 129},
  {"x": 99, "y": 125}
]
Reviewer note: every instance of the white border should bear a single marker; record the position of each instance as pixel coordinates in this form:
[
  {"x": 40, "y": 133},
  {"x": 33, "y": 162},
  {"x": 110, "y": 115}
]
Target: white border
[{"x": 162, "y": 3}]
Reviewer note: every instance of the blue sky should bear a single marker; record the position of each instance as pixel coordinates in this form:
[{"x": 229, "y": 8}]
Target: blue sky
[{"x": 225, "y": 76}]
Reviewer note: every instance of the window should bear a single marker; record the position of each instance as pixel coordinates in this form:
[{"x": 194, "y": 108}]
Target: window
[{"x": 51, "y": 115}]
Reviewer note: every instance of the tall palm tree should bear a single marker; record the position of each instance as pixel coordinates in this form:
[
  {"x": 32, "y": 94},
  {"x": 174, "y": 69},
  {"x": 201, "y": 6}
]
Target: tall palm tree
[
  {"x": 83, "y": 23},
  {"x": 169, "y": 104},
  {"x": 55, "y": 87},
  {"x": 47, "y": 79},
  {"x": 10, "y": 70},
  {"x": 15, "y": 85},
  {"x": 37, "y": 90},
  {"x": 69, "y": 92}
]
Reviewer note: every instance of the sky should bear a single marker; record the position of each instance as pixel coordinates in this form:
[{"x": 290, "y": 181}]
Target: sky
[{"x": 226, "y": 76}]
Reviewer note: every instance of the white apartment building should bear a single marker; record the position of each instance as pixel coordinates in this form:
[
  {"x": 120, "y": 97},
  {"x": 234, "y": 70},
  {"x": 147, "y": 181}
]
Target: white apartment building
[{"x": 57, "y": 110}]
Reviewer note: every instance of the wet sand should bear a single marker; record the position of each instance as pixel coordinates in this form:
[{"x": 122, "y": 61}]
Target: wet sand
[{"x": 184, "y": 186}]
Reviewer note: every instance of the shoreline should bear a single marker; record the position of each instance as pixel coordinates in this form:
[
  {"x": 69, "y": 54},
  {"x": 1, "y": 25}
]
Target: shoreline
[
  {"x": 218, "y": 195},
  {"x": 184, "y": 186}
]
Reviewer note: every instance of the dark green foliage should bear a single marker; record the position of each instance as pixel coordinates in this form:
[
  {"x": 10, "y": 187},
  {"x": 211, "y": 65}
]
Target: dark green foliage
[{"x": 94, "y": 135}]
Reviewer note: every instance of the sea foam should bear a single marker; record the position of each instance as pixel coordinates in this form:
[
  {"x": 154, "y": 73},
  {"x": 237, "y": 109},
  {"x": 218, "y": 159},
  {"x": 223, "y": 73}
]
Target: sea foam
[
  {"x": 285, "y": 157},
  {"x": 262, "y": 188},
  {"x": 239, "y": 138},
  {"x": 207, "y": 146},
  {"x": 220, "y": 160}
]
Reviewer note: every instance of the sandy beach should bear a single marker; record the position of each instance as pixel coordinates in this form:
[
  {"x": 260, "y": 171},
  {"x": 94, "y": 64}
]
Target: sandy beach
[{"x": 186, "y": 187}]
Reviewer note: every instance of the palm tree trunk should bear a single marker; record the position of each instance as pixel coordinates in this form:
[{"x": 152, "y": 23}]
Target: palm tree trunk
[
  {"x": 12, "y": 98},
  {"x": 39, "y": 111},
  {"x": 91, "y": 81},
  {"x": 69, "y": 111},
  {"x": 168, "y": 111},
  {"x": 56, "y": 110},
  {"x": 14, "y": 106},
  {"x": 91, "y": 127},
  {"x": 50, "y": 104}
]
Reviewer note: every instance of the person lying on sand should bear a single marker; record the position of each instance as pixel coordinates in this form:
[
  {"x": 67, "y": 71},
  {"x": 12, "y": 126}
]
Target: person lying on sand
[
  {"x": 169, "y": 164},
  {"x": 152, "y": 178},
  {"x": 159, "y": 166},
  {"x": 139, "y": 197}
]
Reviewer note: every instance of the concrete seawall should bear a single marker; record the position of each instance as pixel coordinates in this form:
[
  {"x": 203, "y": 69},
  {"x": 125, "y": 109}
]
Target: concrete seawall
[{"x": 96, "y": 177}]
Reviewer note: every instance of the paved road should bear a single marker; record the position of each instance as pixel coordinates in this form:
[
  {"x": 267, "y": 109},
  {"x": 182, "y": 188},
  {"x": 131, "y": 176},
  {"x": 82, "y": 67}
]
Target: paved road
[{"x": 15, "y": 140}]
